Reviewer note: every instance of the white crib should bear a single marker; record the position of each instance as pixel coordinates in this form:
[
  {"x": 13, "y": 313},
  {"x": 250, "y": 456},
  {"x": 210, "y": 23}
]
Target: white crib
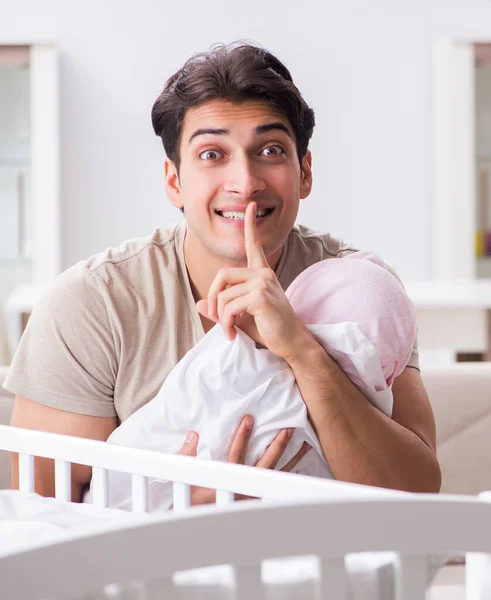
[{"x": 295, "y": 516}]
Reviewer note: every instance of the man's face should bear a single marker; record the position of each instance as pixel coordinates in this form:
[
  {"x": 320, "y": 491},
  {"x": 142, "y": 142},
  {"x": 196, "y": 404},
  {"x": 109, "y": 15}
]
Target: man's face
[{"x": 232, "y": 154}]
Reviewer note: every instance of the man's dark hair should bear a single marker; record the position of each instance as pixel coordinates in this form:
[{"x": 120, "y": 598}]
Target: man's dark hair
[{"x": 235, "y": 72}]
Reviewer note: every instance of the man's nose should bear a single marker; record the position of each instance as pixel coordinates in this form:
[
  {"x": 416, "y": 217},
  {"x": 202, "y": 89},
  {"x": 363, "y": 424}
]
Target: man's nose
[{"x": 244, "y": 178}]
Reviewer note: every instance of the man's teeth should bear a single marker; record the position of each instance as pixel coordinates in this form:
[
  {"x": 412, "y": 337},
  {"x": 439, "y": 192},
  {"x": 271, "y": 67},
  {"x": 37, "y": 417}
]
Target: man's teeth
[{"x": 241, "y": 215}]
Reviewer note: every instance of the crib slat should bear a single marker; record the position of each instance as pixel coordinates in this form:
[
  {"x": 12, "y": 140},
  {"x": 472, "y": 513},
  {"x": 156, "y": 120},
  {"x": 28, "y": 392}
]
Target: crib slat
[
  {"x": 224, "y": 497},
  {"x": 63, "y": 480},
  {"x": 478, "y": 569},
  {"x": 477, "y": 576},
  {"x": 181, "y": 496},
  {"x": 100, "y": 488},
  {"x": 333, "y": 581},
  {"x": 248, "y": 582},
  {"x": 410, "y": 577},
  {"x": 26, "y": 472},
  {"x": 139, "y": 490}
]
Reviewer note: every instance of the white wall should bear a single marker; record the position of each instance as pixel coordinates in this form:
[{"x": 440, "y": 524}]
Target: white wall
[{"x": 364, "y": 66}]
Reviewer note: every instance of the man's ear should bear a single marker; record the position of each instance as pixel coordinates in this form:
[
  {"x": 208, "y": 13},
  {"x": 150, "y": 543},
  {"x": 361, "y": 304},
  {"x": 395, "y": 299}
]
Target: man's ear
[
  {"x": 306, "y": 176},
  {"x": 172, "y": 183}
]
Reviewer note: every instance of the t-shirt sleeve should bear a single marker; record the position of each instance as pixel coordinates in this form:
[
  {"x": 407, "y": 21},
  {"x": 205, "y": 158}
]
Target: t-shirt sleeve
[
  {"x": 414, "y": 358},
  {"x": 66, "y": 358}
]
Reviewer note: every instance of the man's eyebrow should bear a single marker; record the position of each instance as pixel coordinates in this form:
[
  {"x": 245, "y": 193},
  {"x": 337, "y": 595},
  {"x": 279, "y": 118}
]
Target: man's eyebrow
[
  {"x": 259, "y": 129},
  {"x": 272, "y": 126},
  {"x": 208, "y": 131}
]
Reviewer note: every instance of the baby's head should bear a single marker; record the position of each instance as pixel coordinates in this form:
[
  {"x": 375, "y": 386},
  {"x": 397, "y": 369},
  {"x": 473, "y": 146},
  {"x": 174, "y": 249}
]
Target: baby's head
[{"x": 360, "y": 289}]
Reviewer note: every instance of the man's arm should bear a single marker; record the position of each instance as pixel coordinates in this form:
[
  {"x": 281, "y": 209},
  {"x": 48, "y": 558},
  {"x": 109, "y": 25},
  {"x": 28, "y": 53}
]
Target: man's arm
[
  {"x": 32, "y": 415},
  {"x": 360, "y": 443}
]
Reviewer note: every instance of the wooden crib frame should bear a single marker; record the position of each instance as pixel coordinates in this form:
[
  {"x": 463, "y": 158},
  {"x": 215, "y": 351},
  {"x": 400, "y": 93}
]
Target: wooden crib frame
[{"x": 296, "y": 515}]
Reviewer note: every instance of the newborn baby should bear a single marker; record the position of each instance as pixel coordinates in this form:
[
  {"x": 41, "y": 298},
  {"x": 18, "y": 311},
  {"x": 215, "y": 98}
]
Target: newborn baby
[{"x": 357, "y": 310}]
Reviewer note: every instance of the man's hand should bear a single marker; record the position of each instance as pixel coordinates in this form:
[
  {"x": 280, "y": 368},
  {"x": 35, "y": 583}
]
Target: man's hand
[
  {"x": 237, "y": 453},
  {"x": 252, "y": 299}
]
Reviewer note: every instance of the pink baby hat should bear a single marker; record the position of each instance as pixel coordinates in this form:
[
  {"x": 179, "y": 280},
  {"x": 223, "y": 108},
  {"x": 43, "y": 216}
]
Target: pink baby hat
[{"x": 359, "y": 288}]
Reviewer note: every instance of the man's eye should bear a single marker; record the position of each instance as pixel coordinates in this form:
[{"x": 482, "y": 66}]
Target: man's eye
[
  {"x": 210, "y": 155},
  {"x": 273, "y": 151}
]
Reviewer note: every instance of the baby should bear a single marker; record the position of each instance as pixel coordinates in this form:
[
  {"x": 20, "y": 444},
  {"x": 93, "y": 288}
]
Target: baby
[{"x": 357, "y": 310}]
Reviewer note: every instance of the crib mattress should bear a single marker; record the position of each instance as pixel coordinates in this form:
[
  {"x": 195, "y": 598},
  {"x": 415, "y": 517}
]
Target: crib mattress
[{"x": 28, "y": 520}]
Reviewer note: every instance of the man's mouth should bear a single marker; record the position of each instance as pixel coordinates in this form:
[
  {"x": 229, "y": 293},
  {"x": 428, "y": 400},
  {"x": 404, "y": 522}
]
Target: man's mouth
[{"x": 240, "y": 216}]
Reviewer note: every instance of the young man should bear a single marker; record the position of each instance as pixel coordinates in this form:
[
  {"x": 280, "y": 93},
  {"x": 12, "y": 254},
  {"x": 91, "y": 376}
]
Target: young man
[{"x": 236, "y": 131}]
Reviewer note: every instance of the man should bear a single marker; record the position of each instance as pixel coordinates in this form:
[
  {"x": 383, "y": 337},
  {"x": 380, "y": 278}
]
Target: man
[{"x": 236, "y": 131}]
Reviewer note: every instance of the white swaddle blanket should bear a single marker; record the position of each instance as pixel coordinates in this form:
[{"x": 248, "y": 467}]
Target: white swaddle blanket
[{"x": 217, "y": 382}]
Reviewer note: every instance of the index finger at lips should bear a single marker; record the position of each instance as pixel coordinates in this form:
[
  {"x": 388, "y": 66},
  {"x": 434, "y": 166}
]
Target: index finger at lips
[{"x": 254, "y": 250}]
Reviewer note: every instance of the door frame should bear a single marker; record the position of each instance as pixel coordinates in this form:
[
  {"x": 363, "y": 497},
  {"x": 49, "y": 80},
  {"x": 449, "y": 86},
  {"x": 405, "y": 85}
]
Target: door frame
[
  {"x": 45, "y": 164},
  {"x": 454, "y": 178}
]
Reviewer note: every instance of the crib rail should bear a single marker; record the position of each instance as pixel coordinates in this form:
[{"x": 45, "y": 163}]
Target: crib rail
[
  {"x": 248, "y": 533},
  {"x": 183, "y": 471},
  {"x": 311, "y": 516}
]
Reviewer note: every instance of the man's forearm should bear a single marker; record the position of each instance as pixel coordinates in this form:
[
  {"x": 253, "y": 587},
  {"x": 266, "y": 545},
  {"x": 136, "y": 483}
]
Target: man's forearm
[{"x": 359, "y": 442}]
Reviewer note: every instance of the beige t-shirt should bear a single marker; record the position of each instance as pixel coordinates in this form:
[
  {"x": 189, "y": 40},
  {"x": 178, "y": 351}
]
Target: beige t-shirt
[{"x": 104, "y": 338}]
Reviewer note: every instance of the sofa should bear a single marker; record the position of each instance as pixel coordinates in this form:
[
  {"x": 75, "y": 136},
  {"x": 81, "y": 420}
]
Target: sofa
[{"x": 461, "y": 398}]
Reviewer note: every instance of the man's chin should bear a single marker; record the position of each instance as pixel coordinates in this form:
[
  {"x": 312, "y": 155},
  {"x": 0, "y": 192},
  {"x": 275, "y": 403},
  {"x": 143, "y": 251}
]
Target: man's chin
[{"x": 238, "y": 256}]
